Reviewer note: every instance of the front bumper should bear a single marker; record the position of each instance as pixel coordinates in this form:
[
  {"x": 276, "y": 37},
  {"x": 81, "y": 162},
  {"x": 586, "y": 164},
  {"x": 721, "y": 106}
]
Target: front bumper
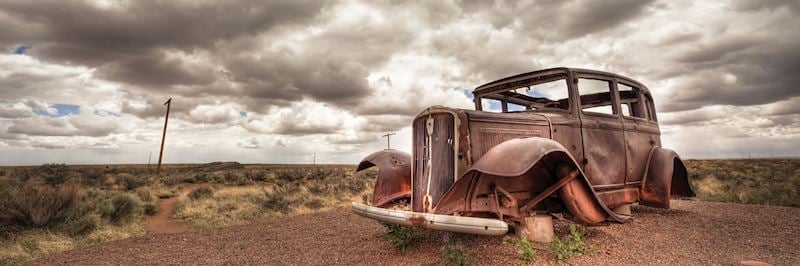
[{"x": 458, "y": 224}]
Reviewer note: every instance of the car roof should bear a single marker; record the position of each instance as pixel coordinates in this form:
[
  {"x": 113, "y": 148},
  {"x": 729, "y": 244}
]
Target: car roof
[{"x": 504, "y": 83}]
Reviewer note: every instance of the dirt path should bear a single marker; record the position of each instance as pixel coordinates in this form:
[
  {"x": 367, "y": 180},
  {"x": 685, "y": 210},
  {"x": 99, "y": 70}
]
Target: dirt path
[
  {"x": 162, "y": 222},
  {"x": 692, "y": 233}
]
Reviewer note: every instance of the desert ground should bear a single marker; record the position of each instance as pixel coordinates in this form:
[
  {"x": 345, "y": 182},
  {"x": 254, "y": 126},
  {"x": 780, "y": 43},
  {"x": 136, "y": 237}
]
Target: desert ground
[{"x": 222, "y": 213}]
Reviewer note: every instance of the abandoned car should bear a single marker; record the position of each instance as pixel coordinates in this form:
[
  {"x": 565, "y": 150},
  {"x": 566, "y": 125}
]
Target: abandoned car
[{"x": 582, "y": 143}]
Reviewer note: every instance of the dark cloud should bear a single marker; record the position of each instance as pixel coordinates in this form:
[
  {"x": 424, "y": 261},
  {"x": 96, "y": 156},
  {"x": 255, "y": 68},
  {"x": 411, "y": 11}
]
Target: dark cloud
[
  {"x": 336, "y": 75},
  {"x": 83, "y": 32},
  {"x": 276, "y": 77},
  {"x": 152, "y": 106},
  {"x": 156, "y": 70},
  {"x": 145, "y": 43},
  {"x": 294, "y": 129},
  {"x": 750, "y": 6},
  {"x": 738, "y": 72},
  {"x": 585, "y": 17}
]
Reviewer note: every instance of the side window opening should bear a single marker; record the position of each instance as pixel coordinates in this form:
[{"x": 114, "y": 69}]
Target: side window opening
[
  {"x": 491, "y": 105},
  {"x": 512, "y": 107},
  {"x": 595, "y": 96},
  {"x": 625, "y": 109},
  {"x": 630, "y": 101}
]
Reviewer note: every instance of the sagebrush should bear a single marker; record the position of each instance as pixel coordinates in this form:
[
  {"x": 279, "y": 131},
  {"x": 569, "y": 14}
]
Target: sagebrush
[
  {"x": 402, "y": 236},
  {"x": 453, "y": 253},
  {"x": 573, "y": 244}
]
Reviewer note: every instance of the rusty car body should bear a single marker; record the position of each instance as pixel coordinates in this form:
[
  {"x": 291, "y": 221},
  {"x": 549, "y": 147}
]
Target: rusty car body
[{"x": 579, "y": 142}]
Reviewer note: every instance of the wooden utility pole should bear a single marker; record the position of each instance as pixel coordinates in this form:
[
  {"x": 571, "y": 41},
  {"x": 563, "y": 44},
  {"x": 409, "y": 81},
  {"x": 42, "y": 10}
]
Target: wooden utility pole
[
  {"x": 163, "y": 136},
  {"x": 387, "y": 139}
]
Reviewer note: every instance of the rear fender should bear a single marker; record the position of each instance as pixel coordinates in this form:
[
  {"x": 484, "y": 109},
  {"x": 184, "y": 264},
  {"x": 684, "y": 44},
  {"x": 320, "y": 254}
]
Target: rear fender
[
  {"x": 521, "y": 166},
  {"x": 666, "y": 176},
  {"x": 394, "y": 176}
]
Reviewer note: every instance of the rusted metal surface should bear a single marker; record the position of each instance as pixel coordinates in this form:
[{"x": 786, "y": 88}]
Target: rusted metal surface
[
  {"x": 666, "y": 177},
  {"x": 584, "y": 151},
  {"x": 394, "y": 176},
  {"x": 434, "y": 156}
]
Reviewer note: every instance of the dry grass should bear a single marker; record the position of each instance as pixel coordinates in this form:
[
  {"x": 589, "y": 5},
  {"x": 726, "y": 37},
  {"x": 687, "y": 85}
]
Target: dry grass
[
  {"x": 292, "y": 191},
  {"x": 32, "y": 244},
  {"x": 756, "y": 181}
]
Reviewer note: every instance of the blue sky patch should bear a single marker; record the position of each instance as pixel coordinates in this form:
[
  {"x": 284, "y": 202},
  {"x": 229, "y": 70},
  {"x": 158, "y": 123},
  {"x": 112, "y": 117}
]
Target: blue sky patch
[
  {"x": 22, "y": 49},
  {"x": 61, "y": 110},
  {"x": 467, "y": 93},
  {"x": 243, "y": 114}
]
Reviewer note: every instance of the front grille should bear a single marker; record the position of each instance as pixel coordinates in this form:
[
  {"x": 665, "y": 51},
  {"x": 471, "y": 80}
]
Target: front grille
[{"x": 442, "y": 143}]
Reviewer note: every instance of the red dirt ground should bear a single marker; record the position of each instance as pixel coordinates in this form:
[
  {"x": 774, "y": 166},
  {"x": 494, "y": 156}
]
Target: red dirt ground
[
  {"x": 162, "y": 223},
  {"x": 692, "y": 233}
]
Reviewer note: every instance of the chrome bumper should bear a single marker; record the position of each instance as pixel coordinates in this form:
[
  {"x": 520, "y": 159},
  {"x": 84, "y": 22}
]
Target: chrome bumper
[{"x": 458, "y": 224}]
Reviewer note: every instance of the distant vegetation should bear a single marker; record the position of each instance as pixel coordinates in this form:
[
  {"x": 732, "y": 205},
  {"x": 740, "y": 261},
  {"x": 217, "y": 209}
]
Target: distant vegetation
[
  {"x": 277, "y": 191},
  {"x": 55, "y": 207},
  {"x": 752, "y": 181}
]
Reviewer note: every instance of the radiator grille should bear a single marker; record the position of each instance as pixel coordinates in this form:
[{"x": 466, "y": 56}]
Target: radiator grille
[{"x": 442, "y": 143}]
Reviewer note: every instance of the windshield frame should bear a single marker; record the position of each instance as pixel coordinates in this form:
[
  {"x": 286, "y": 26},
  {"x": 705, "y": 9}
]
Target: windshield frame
[{"x": 504, "y": 92}]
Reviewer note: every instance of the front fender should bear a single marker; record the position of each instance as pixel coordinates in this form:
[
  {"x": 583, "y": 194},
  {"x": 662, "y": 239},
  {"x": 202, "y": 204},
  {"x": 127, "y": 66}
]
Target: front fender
[
  {"x": 666, "y": 176},
  {"x": 394, "y": 176},
  {"x": 533, "y": 159}
]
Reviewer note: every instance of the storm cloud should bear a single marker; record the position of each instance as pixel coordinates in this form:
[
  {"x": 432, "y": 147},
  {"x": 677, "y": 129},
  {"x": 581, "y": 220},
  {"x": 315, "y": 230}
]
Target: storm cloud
[{"x": 278, "y": 80}]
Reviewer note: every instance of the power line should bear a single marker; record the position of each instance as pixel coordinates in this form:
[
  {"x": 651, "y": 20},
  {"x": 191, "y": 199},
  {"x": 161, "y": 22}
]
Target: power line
[
  {"x": 387, "y": 136},
  {"x": 163, "y": 136}
]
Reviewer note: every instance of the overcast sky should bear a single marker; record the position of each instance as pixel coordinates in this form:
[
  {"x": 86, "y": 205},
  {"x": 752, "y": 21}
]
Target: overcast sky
[{"x": 275, "y": 81}]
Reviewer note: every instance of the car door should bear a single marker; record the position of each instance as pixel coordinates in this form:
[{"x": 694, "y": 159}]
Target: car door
[
  {"x": 601, "y": 127},
  {"x": 640, "y": 134}
]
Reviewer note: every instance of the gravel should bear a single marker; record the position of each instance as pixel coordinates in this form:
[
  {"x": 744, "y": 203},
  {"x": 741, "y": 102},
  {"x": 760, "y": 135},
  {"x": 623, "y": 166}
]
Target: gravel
[{"x": 691, "y": 233}]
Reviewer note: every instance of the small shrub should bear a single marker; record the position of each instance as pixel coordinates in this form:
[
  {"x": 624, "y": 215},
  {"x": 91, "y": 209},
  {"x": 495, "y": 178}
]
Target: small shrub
[
  {"x": 256, "y": 175},
  {"x": 453, "y": 254},
  {"x": 318, "y": 188},
  {"x": 571, "y": 245},
  {"x": 290, "y": 174},
  {"x": 201, "y": 193},
  {"x": 146, "y": 194},
  {"x": 526, "y": 251},
  {"x": 277, "y": 202},
  {"x": 402, "y": 236},
  {"x": 320, "y": 174},
  {"x": 314, "y": 204},
  {"x": 172, "y": 179},
  {"x": 82, "y": 224},
  {"x": 54, "y": 174},
  {"x": 150, "y": 209},
  {"x": 35, "y": 204},
  {"x": 106, "y": 209},
  {"x": 353, "y": 185},
  {"x": 131, "y": 182},
  {"x": 202, "y": 177},
  {"x": 124, "y": 208},
  {"x": 92, "y": 177},
  {"x": 236, "y": 179}
]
